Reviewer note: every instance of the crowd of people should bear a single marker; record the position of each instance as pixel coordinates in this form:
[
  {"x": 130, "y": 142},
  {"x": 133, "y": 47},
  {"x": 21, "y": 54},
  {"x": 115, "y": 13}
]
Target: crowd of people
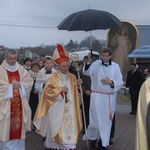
[{"x": 44, "y": 96}]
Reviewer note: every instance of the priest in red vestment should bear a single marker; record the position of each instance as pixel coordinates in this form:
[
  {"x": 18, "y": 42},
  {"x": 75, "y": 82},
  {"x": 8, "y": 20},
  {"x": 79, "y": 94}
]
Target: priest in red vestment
[{"x": 15, "y": 113}]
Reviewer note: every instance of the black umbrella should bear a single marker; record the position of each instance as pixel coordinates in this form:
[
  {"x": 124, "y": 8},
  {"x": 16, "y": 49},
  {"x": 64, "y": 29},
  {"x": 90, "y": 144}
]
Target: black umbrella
[{"x": 88, "y": 20}]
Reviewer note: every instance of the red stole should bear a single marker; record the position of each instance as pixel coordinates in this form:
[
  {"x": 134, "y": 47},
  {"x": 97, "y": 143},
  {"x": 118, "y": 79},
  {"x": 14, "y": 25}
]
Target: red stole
[{"x": 15, "y": 108}]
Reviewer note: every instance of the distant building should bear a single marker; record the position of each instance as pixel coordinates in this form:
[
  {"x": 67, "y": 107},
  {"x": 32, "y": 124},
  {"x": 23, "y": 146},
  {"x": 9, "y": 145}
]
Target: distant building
[
  {"x": 35, "y": 56},
  {"x": 144, "y": 35},
  {"x": 1, "y": 48}
]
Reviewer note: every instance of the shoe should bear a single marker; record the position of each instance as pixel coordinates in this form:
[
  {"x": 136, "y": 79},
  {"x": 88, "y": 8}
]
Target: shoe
[
  {"x": 110, "y": 142},
  {"x": 104, "y": 148},
  {"x": 131, "y": 113},
  {"x": 93, "y": 145},
  {"x": 99, "y": 143}
]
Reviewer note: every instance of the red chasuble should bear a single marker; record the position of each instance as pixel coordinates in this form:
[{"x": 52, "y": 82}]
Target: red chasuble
[{"x": 15, "y": 108}]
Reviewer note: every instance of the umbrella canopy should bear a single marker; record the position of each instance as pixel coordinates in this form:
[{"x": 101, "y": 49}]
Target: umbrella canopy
[
  {"x": 142, "y": 52},
  {"x": 88, "y": 20}
]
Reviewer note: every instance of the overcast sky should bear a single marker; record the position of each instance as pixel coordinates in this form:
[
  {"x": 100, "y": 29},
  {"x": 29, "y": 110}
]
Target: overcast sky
[{"x": 19, "y": 19}]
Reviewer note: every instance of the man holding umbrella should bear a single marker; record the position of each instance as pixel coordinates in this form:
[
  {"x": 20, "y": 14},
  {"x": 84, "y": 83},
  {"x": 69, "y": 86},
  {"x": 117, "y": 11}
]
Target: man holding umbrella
[{"x": 106, "y": 80}]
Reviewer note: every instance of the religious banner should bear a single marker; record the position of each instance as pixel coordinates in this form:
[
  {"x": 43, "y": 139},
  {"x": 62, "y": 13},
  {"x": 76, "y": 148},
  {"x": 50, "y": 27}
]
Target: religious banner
[{"x": 122, "y": 41}]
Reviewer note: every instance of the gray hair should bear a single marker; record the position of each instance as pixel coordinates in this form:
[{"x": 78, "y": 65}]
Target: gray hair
[{"x": 11, "y": 51}]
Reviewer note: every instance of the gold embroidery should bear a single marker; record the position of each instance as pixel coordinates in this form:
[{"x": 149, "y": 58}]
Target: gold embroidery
[
  {"x": 69, "y": 137},
  {"x": 15, "y": 108},
  {"x": 13, "y": 80},
  {"x": 68, "y": 124},
  {"x": 15, "y": 112},
  {"x": 60, "y": 60}
]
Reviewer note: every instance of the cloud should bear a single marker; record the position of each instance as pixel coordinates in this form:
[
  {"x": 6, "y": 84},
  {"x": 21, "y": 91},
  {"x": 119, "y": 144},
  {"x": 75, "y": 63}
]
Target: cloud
[{"x": 17, "y": 15}]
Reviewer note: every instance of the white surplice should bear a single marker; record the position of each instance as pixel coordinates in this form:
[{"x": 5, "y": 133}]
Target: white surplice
[
  {"x": 46, "y": 76},
  {"x": 103, "y": 99}
]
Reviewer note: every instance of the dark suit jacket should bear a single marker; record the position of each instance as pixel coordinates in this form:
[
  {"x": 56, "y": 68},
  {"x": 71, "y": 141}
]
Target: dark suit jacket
[{"x": 134, "y": 81}]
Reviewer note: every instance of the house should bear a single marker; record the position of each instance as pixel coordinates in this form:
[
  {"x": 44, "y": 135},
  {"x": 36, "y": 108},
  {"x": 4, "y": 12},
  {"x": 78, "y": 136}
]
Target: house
[{"x": 144, "y": 35}]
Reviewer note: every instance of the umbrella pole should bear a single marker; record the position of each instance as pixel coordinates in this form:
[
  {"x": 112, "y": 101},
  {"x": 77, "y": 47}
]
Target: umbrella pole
[
  {"x": 134, "y": 60},
  {"x": 82, "y": 102},
  {"x": 91, "y": 43},
  {"x": 90, "y": 40}
]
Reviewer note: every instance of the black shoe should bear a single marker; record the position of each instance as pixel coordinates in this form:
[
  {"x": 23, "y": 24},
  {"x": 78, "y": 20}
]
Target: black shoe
[
  {"x": 93, "y": 145},
  {"x": 110, "y": 142},
  {"x": 132, "y": 113},
  {"x": 104, "y": 148},
  {"x": 99, "y": 143}
]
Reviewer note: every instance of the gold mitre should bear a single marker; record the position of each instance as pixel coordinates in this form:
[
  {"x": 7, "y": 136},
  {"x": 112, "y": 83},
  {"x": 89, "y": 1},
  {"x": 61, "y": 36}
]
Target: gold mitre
[{"x": 60, "y": 54}]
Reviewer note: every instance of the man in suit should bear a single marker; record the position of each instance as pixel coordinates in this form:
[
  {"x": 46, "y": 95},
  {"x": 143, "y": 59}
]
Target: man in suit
[{"x": 135, "y": 78}]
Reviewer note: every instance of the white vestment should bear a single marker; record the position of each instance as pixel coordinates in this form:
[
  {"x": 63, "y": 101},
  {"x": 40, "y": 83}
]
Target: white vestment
[
  {"x": 103, "y": 99},
  {"x": 50, "y": 134},
  {"x": 58, "y": 121},
  {"x": 46, "y": 76}
]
